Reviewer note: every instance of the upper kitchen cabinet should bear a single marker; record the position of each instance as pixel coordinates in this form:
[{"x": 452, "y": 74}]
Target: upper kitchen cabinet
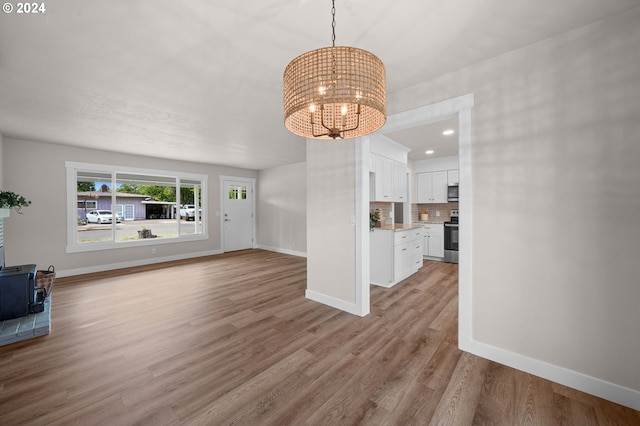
[
  {"x": 388, "y": 171},
  {"x": 389, "y": 181},
  {"x": 400, "y": 194},
  {"x": 453, "y": 177},
  {"x": 431, "y": 178},
  {"x": 384, "y": 179},
  {"x": 431, "y": 187}
]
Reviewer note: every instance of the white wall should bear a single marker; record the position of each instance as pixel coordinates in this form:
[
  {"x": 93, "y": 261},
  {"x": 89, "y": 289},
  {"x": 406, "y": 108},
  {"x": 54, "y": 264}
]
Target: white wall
[
  {"x": 37, "y": 171},
  {"x": 282, "y": 209},
  {"x": 331, "y": 234},
  {"x": 556, "y": 196}
]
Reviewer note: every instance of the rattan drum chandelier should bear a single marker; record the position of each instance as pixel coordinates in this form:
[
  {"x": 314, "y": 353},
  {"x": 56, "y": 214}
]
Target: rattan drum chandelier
[{"x": 334, "y": 92}]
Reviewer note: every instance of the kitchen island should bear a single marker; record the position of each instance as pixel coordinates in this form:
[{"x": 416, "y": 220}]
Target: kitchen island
[{"x": 396, "y": 252}]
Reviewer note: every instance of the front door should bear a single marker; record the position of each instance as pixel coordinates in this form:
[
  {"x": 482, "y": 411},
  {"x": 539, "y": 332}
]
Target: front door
[
  {"x": 237, "y": 215},
  {"x": 129, "y": 212}
]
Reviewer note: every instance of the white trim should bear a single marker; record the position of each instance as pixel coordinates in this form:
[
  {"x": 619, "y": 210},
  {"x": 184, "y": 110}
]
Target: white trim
[
  {"x": 110, "y": 245},
  {"x": 133, "y": 263},
  {"x": 340, "y": 304},
  {"x": 460, "y": 107},
  {"x": 133, "y": 170},
  {"x": 72, "y": 168},
  {"x": 281, "y": 250},
  {"x": 576, "y": 380},
  {"x": 362, "y": 255},
  {"x": 465, "y": 326},
  {"x": 428, "y": 114},
  {"x": 253, "y": 206}
]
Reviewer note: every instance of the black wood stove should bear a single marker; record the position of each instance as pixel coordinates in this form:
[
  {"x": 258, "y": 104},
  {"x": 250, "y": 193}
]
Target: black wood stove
[{"x": 19, "y": 294}]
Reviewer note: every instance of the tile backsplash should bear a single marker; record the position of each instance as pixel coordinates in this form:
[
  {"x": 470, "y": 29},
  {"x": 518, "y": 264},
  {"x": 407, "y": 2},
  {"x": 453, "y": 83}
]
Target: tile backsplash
[
  {"x": 444, "y": 209},
  {"x": 386, "y": 209}
]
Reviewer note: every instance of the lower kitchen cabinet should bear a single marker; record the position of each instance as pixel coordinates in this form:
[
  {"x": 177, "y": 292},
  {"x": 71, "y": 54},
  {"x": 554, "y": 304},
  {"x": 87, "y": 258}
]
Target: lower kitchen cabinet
[
  {"x": 395, "y": 255},
  {"x": 433, "y": 239}
]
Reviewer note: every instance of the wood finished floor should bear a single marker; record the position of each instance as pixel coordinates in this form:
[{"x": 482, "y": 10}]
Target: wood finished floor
[{"x": 230, "y": 339}]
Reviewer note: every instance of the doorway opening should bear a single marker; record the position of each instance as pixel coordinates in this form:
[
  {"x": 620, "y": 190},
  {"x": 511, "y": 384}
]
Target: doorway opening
[{"x": 460, "y": 107}]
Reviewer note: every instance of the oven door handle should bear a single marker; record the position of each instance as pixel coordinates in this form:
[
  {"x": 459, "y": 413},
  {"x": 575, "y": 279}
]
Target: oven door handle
[{"x": 452, "y": 225}]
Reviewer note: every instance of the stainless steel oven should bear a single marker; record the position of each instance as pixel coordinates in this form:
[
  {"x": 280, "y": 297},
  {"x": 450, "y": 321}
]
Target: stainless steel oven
[{"x": 451, "y": 238}]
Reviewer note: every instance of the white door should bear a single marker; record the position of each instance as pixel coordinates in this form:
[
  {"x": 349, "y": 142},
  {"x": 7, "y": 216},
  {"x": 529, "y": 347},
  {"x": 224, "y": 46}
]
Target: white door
[
  {"x": 237, "y": 215},
  {"x": 129, "y": 212}
]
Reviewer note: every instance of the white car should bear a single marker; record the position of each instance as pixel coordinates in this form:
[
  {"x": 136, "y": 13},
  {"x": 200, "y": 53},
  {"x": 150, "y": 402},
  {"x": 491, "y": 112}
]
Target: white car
[
  {"x": 188, "y": 212},
  {"x": 101, "y": 216}
]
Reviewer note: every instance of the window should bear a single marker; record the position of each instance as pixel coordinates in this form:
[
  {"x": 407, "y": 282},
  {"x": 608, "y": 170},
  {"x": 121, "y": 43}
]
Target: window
[
  {"x": 87, "y": 204},
  {"x": 111, "y": 207},
  {"x": 237, "y": 192}
]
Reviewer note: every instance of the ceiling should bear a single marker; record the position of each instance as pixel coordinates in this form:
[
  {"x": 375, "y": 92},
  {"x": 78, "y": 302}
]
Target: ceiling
[
  {"x": 429, "y": 137},
  {"x": 202, "y": 80}
]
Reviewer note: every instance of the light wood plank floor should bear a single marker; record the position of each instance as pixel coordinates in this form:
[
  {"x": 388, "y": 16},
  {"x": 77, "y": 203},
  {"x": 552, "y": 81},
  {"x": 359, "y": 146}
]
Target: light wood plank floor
[{"x": 230, "y": 339}]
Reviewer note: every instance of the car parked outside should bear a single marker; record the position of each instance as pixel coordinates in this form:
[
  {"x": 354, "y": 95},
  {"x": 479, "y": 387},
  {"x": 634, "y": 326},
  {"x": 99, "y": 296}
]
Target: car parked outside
[
  {"x": 188, "y": 212},
  {"x": 102, "y": 216}
]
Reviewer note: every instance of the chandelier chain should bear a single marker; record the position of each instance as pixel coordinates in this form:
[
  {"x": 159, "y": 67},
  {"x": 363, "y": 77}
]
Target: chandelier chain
[{"x": 333, "y": 22}]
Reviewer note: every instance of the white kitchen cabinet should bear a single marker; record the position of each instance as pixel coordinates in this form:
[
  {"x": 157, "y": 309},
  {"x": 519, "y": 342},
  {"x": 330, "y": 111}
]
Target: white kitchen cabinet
[
  {"x": 372, "y": 163},
  {"x": 399, "y": 182},
  {"x": 384, "y": 179},
  {"x": 453, "y": 177},
  {"x": 433, "y": 239},
  {"x": 390, "y": 181},
  {"x": 432, "y": 187},
  {"x": 395, "y": 255}
]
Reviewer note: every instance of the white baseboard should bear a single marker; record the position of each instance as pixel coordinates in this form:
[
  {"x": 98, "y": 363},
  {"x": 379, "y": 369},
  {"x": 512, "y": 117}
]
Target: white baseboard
[
  {"x": 340, "y": 304},
  {"x": 388, "y": 285},
  {"x": 573, "y": 379},
  {"x": 141, "y": 262},
  {"x": 283, "y": 251}
]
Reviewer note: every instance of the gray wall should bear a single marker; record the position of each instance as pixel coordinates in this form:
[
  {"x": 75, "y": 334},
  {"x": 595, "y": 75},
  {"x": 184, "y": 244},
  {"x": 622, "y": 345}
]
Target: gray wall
[
  {"x": 556, "y": 198},
  {"x": 37, "y": 171},
  {"x": 1, "y": 162},
  {"x": 331, "y": 203},
  {"x": 282, "y": 208}
]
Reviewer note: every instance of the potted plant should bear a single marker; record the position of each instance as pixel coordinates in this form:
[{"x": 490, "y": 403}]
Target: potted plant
[{"x": 11, "y": 200}]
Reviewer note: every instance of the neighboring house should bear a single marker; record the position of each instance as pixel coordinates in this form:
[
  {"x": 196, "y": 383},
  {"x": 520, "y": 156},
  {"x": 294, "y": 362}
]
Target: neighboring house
[{"x": 129, "y": 206}]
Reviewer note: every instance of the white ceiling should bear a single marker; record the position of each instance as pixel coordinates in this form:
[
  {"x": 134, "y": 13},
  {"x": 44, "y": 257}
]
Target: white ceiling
[
  {"x": 429, "y": 137},
  {"x": 201, "y": 80}
]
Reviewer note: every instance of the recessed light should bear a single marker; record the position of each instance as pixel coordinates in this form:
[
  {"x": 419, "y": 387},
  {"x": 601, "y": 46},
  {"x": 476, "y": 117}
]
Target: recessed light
[
  {"x": 448, "y": 132},
  {"x": 430, "y": 151}
]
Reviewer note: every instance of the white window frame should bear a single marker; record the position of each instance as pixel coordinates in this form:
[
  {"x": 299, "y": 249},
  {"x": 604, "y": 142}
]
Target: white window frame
[{"x": 72, "y": 211}]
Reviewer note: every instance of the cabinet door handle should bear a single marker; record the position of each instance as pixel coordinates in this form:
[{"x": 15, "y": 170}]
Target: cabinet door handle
[{"x": 404, "y": 249}]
